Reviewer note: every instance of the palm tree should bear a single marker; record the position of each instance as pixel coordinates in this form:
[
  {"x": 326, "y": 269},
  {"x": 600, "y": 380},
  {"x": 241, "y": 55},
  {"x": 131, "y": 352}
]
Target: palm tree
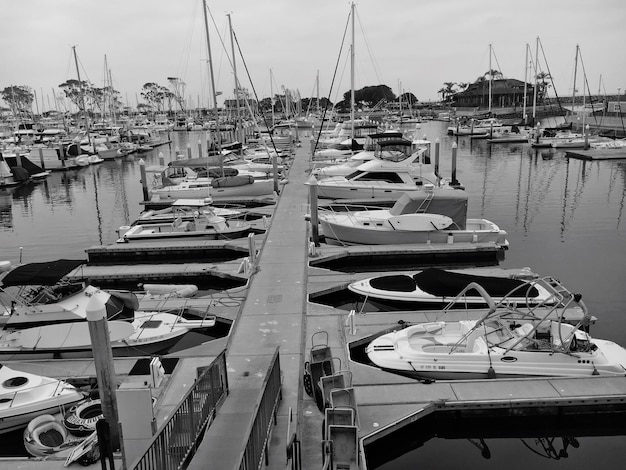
[{"x": 543, "y": 83}]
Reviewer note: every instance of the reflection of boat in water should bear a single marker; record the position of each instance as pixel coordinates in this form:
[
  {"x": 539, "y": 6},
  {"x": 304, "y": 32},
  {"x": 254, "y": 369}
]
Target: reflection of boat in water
[{"x": 500, "y": 344}]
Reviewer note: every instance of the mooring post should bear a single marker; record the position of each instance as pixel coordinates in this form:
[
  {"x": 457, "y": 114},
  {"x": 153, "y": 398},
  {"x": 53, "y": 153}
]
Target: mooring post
[
  {"x": 586, "y": 132},
  {"x": 313, "y": 204},
  {"x": 103, "y": 361},
  {"x": 252, "y": 249},
  {"x": 41, "y": 162},
  {"x": 144, "y": 179},
  {"x": 161, "y": 159},
  {"x": 200, "y": 149},
  {"x": 188, "y": 151},
  {"x": 437, "y": 144},
  {"x": 454, "y": 149}
]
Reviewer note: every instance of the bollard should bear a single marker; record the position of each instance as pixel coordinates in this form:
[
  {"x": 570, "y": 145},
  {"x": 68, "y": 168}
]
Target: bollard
[
  {"x": 103, "y": 361},
  {"x": 437, "y": 144},
  {"x": 144, "y": 179},
  {"x": 454, "y": 149},
  {"x": 161, "y": 159}
]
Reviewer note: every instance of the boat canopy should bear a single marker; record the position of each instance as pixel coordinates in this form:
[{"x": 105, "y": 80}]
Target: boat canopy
[
  {"x": 397, "y": 141},
  {"x": 443, "y": 283},
  {"x": 448, "y": 202},
  {"x": 40, "y": 274}
]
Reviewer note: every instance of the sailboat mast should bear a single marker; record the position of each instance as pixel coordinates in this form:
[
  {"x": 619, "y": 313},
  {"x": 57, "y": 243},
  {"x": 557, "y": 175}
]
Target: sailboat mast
[
  {"x": 490, "y": 78},
  {"x": 525, "y": 87},
  {"x": 574, "y": 87},
  {"x": 352, "y": 105},
  {"x": 213, "y": 91},
  {"x": 82, "y": 95},
  {"x": 232, "y": 45},
  {"x": 536, "y": 78}
]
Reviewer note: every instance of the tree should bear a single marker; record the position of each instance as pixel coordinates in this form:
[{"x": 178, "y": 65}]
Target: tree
[
  {"x": 74, "y": 90},
  {"x": 156, "y": 96},
  {"x": 543, "y": 83},
  {"x": 367, "y": 96},
  {"x": 493, "y": 74},
  {"x": 408, "y": 98},
  {"x": 19, "y": 98},
  {"x": 446, "y": 91}
]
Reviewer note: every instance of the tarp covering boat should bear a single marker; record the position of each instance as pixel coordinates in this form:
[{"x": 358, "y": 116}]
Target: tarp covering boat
[
  {"x": 448, "y": 202},
  {"x": 442, "y": 283},
  {"x": 232, "y": 181},
  {"x": 40, "y": 274}
]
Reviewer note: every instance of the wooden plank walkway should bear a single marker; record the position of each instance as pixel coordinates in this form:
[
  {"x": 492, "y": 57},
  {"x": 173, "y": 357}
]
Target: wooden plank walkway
[{"x": 598, "y": 154}]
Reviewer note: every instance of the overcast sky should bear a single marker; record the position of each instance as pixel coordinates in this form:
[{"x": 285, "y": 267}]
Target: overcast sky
[{"x": 413, "y": 44}]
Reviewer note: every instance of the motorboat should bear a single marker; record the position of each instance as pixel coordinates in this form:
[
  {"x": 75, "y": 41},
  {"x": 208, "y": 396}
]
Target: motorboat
[
  {"x": 396, "y": 150},
  {"x": 35, "y": 294},
  {"x": 187, "y": 209},
  {"x": 25, "y": 396},
  {"x": 377, "y": 179},
  {"x": 204, "y": 225},
  {"x": 498, "y": 345},
  {"x": 478, "y": 127},
  {"x": 149, "y": 333},
  {"x": 427, "y": 216},
  {"x": 435, "y": 287}
]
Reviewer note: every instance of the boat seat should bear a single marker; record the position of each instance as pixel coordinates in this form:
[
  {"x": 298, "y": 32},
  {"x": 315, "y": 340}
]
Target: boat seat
[
  {"x": 471, "y": 339},
  {"x": 523, "y": 330}
]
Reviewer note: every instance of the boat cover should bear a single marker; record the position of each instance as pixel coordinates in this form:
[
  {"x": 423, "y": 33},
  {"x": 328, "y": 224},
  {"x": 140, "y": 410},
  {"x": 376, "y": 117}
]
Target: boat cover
[
  {"x": 232, "y": 181},
  {"x": 40, "y": 274},
  {"x": 444, "y": 201},
  {"x": 442, "y": 283}
]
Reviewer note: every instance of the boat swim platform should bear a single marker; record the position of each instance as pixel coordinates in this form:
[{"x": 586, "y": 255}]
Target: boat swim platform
[
  {"x": 598, "y": 154},
  {"x": 173, "y": 251}
]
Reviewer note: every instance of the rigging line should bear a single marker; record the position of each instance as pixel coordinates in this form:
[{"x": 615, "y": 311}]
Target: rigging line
[
  {"x": 558, "y": 101},
  {"x": 319, "y": 134},
  {"x": 367, "y": 46},
  {"x": 588, "y": 90},
  {"x": 245, "y": 65},
  {"x": 497, "y": 63}
]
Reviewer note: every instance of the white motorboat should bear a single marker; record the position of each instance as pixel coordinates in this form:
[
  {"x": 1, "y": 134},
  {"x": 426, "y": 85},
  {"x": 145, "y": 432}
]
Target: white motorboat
[
  {"x": 428, "y": 216},
  {"x": 478, "y": 127},
  {"x": 187, "y": 209},
  {"x": 435, "y": 287},
  {"x": 149, "y": 333},
  {"x": 393, "y": 150},
  {"x": 376, "y": 179},
  {"x": 498, "y": 345},
  {"x": 204, "y": 225},
  {"x": 25, "y": 396},
  {"x": 36, "y": 294}
]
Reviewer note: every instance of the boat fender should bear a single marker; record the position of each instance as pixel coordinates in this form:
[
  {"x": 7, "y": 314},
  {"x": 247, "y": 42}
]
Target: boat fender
[
  {"x": 81, "y": 419},
  {"x": 44, "y": 435}
]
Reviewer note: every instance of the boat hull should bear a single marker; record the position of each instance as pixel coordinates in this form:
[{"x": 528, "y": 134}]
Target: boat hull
[{"x": 340, "y": 229}]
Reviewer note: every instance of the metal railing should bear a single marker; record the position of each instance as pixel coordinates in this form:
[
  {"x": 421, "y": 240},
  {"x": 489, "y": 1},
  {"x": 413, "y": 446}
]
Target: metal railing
[
  {"x": 177, "y": 441},
  {"x": 255, "y": 453}
]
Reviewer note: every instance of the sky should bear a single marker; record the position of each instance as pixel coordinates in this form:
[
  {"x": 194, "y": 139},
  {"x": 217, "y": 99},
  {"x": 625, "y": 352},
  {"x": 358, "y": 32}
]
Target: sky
[{"x": 409, "y": 45}]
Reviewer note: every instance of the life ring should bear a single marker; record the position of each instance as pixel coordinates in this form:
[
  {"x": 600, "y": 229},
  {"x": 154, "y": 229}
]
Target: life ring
[
  {"x": 44, "y": 435},
  {"x": 81, "y": 419}
]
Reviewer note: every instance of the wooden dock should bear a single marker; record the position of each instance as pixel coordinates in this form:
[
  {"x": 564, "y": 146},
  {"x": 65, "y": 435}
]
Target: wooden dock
[{"x": 598, "y": 154}]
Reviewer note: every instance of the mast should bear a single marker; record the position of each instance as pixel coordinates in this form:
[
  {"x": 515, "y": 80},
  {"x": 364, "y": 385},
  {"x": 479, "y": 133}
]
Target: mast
[
  {"x": 574, "y": 87},
  {"x": 525, "y": 87},
  {"x": 352, "y": 73},
  {"x": 536, "y": 78},
  {"x": 213, "y": 91},
  {"x": 232, "y": 44},
  {"x": 490, "y": 78},
  {"x": 82, "y": 97},
  {"x": 272, "y": 96}
]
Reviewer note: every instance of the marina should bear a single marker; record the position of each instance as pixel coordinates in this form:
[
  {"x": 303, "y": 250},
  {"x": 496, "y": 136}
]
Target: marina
[
  {"x": 273, "y": 292},
  {"x": 374, "y": 282}
]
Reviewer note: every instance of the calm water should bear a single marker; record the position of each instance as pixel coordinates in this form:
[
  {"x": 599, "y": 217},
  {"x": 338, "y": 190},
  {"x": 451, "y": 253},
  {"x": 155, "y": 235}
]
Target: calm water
[{"x": 565, "y": 218}]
